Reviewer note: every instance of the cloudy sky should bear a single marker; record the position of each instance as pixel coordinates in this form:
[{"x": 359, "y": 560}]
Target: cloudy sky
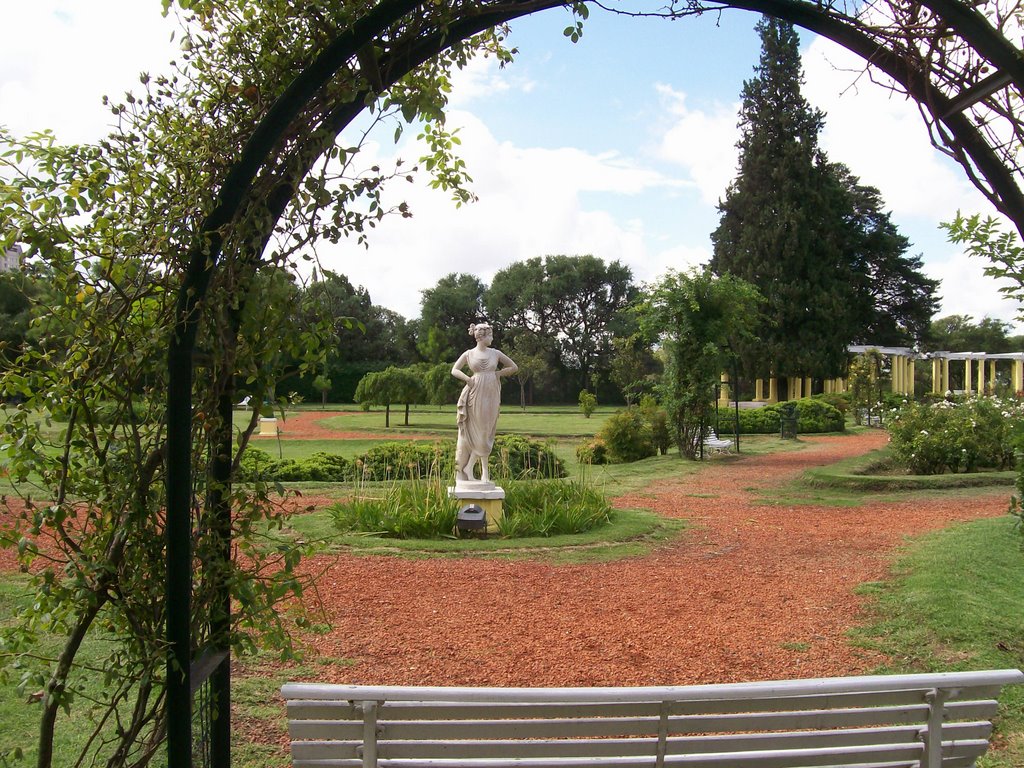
[{"x": 618, "y": 146}]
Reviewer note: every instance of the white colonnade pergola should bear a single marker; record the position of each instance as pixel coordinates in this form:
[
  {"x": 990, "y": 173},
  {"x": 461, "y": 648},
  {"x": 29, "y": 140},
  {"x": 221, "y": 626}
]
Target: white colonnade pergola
[
  {"x": 979, "y": 374},
  {"x": 979, "y": 371}
]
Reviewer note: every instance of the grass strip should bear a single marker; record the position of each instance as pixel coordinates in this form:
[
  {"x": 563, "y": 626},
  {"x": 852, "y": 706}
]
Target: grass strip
[
  {"x": 956, "y": 602},
  {"x": 855, "y": 474}
]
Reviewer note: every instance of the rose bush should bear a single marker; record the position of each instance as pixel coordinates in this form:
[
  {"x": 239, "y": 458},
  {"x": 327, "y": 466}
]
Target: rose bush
[{"x": 956, "y": 436}]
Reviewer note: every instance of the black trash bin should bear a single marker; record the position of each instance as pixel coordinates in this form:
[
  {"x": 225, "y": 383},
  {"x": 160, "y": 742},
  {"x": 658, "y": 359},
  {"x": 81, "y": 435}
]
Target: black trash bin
[{"x": 788, "y": 421}]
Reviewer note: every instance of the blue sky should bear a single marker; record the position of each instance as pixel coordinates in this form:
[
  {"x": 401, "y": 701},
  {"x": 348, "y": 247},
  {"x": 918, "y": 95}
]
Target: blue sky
[{"x": 619, "y": 145}]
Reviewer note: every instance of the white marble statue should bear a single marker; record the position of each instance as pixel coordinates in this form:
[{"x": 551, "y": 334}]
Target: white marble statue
[{"x": 478, "y": 403}]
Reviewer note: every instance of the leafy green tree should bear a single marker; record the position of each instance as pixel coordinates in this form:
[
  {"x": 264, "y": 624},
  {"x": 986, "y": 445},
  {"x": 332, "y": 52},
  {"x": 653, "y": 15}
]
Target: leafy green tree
[
  {"x": 865, "y": 370},
  {"x": 632, "y": 366},
  {"x": 322, "y": 385},
  {"x": 698, "y": 318},
  {"x": 959, "y": 333},
  {"x": 894, "y": 301},
  {"x": 439, "y": 386},
  {"x": 446, "y": 311},
  {"x": 588, "y": 403},
  {"x": 392, "y": 386},
  {"x": 534, "y": 361},
  {"x": 363, "y": 336},
  {"x": 572, "y": 305}
]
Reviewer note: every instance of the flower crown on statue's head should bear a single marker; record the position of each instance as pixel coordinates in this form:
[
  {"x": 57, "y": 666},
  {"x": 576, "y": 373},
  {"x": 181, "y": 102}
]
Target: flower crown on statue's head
[{"x": 475, "y": 327}]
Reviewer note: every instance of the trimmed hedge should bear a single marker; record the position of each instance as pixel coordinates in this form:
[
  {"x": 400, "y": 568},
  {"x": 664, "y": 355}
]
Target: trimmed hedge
[{"x": 813, "y": 415}]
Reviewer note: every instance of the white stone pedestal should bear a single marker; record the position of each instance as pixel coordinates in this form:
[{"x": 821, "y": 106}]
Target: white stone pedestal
[{"x": 488, "y": 496}]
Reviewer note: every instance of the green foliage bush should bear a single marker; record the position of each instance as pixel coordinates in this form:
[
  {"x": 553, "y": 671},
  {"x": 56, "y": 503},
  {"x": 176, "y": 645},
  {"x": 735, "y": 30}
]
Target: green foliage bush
[
  {"x": 949, "y": 436},
  {"x": 259, "y": 465},
  {"x": 518, "y": 458},
  {"x": 514, "y": 457},
  {"x": 627, "y": 436},
  {"x": 406, "y": 461},
  {"x": 657, "y": 422},
  {"x": 838, "y": 400},
  {"x": 814, "y": 415},
  {"x": 592, "y": 452},
  {"x": 588, "y": 403}
]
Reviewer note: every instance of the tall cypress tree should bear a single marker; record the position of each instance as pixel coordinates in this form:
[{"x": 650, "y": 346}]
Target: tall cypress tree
[{"x": 782, "y": 223}]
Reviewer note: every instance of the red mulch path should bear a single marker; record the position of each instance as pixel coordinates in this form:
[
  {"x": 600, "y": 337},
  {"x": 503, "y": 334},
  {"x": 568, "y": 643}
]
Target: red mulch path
[
  {"x": 753, "y": 591},
  {"x": 308, "y": 425}
]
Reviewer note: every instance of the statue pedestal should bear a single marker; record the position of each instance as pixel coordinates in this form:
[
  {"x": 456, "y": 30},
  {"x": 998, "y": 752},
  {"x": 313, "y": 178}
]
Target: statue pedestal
[{"x": 488, "y": 496}]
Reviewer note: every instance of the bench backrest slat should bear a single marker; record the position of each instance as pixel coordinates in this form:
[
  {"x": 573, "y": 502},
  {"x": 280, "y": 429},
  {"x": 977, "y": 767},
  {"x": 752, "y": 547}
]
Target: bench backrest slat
[
  {"x": 541, "y": 728},
  {"x": 975, "y": 733},
  {"x": 450, "y": 710}
]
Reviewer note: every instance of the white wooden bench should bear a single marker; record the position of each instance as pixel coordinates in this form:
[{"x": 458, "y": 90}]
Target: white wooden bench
[
  {"x": 715, "y": 444},
  {"x": 891, "y": 721}
]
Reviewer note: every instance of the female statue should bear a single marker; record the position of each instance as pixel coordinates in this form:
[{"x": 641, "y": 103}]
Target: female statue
[{"x": 478, "y": 403}]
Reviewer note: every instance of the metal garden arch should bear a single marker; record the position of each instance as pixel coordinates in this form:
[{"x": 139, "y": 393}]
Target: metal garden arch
[{"x": 954, "y": 61}]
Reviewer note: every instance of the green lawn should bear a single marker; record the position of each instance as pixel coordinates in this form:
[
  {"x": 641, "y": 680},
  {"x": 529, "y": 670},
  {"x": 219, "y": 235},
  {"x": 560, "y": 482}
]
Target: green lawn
[
  {"x": 956, "y": 601},
  {"x": 546, "y": 421}
]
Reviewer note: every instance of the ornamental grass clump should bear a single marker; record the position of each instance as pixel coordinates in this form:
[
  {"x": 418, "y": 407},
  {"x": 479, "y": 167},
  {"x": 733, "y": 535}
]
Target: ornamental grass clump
[
  {"x": 416, "y": 509},
  {"x": 949, "y": 436},
  {"x": 421, "y": 509},
  {"x": 552, "y": 508}
]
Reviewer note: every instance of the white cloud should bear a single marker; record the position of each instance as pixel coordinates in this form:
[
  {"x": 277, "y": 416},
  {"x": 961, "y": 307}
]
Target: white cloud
[
  {"x": 529, "y": 205},
  {"x": 968, "y": 291},
  {"x": 882, "y": 137},
  {"x": 702, "y": 142},
  {"x": 481, "y": 78},
  {"x": 60, "y": 57}
]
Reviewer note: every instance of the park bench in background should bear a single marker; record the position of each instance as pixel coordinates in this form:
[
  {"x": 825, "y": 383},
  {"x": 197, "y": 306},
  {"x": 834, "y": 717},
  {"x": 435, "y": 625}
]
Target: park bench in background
[
  {"x": 715, "y": 444},
  {"x": 913, "y": 721}
]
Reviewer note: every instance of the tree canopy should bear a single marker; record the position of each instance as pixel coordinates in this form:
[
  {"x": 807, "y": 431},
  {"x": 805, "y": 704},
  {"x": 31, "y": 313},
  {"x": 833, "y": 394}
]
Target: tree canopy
[
  {"x": 699, "y": 320},
  {"x": 818, "y": 244},
  {"x": 571, "y": 306}
]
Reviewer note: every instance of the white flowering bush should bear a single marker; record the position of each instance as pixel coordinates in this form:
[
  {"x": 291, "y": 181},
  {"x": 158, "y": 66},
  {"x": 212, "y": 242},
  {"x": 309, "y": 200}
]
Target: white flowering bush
[{"x": 950, "y": 436}]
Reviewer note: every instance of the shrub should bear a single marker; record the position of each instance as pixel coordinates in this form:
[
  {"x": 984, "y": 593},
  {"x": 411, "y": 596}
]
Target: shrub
[
  {"x": 627, "y": 437},
  {"x": 328, "y": 468},
  {"x": 257, "y": 465},
  {"x": 813, "y": 415},
  {"x": 592, "y": 452},
  {"x": 838, "y": 400},
  {"x": 407, "y": 461},
  {"x": 422, "y": 510},
  {"x": 588, "y": 402},
  {"x": 947, "y": 436},
  {"x": 516, "y": 457},
  {"x": 657, "y": 422}
]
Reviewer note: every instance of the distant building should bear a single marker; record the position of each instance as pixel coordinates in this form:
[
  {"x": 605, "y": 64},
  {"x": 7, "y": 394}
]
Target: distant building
[{"x": 11, "y": 261}]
